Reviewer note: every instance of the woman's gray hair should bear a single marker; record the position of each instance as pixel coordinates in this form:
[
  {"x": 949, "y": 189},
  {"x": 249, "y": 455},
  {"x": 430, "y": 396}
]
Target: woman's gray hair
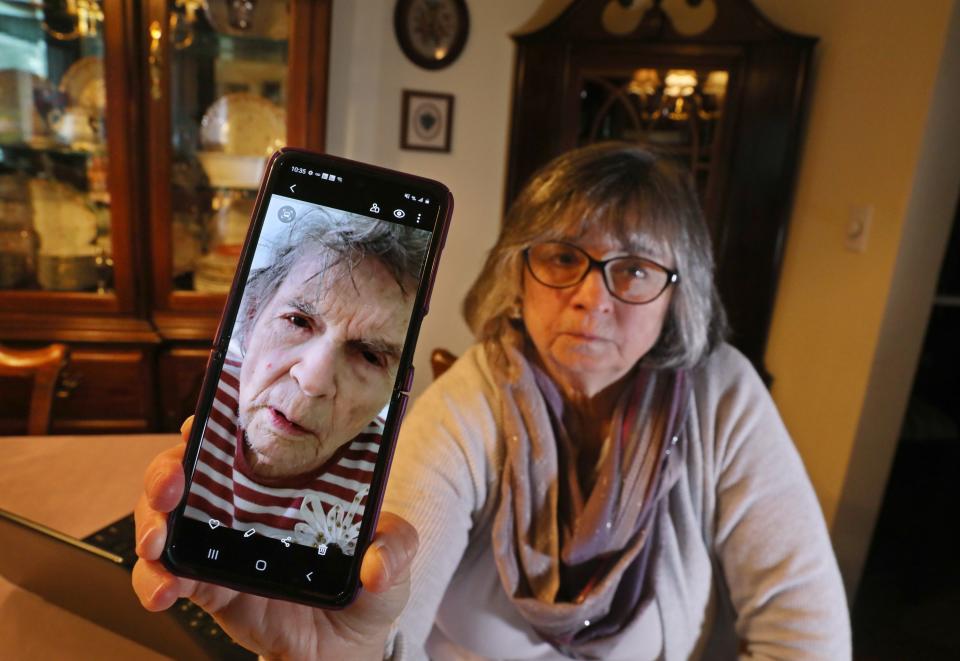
[
  {"x": 633, "y": 196},
  {"x": 331, "y": 239}
]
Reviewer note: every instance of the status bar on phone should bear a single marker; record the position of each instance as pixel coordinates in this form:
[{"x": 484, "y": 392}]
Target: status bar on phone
[{"x": 361, "y": 194}]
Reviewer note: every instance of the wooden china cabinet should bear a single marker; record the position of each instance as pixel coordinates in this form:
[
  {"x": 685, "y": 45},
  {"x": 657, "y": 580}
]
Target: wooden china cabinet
[
  {"x": 132, "y": 137},
  {"x": 712, "y": 83}
]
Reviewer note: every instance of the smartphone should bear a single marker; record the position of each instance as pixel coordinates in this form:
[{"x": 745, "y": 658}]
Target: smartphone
[{"x": 308, "y": 379}]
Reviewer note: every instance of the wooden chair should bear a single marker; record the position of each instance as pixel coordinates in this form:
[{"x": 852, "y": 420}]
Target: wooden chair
[
  {"x": 44, "y": 365},
  {"x": 440, "y": 361}
]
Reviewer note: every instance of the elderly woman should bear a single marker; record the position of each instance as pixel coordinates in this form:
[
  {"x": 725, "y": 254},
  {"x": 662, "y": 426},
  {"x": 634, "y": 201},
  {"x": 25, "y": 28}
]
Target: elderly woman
[
  {"x": 295, "y": 425},
  {"x": 600, "y": 477}
]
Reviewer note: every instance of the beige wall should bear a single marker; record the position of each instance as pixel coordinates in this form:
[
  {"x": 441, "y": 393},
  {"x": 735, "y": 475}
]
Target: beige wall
[
  {"x": 873, "y": 83},
  {"x": 846, "y": 334}
]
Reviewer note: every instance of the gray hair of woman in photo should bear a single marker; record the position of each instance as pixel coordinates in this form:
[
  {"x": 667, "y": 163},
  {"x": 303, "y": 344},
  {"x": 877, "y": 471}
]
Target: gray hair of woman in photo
[
  {"x": 331, "y": 239},
  {"x": 633, "y": 196}
]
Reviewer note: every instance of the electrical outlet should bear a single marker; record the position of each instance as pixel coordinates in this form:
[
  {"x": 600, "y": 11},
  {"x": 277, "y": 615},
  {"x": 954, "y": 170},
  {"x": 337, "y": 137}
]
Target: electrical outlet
[{"x": 859, "y": 220}]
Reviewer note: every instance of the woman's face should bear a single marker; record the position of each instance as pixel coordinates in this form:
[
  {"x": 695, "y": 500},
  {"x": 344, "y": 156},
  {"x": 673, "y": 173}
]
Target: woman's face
[
  {"x": 586, "y": 338},
  {"x": 320, "y": 363}
]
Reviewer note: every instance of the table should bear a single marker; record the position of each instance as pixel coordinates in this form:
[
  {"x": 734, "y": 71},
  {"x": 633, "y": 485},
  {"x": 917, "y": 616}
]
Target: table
[{"x": 75, "y": 484}]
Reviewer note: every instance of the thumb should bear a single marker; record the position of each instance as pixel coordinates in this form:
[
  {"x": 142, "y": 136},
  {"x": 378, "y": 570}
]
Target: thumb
[
  {"x": 388, "y": 558},
  {"x": 385, "y": 575}
]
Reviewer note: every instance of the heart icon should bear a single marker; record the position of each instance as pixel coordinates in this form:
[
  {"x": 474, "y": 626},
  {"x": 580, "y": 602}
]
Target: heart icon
[
  {"x": 214, "y": 524},
  {"x": 427, "y": 120}
]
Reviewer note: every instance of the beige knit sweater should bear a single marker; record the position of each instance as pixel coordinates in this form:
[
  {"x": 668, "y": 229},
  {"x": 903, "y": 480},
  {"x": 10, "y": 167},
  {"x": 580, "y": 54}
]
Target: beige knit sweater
[{"x": 745, "y": 561}]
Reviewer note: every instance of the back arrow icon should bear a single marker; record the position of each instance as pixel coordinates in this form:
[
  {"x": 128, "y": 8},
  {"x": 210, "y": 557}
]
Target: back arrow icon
[
  {"x": 292, "y": 186},
  {"x": 309, "y": 574}
]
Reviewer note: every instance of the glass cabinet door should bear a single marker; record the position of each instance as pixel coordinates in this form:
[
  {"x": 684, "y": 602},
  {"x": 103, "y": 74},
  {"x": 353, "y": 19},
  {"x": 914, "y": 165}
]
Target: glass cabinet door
[
  {"x": 55, "y": 204},
  {"x": 680, "y": 111},
  {"x": 227, "y": 86}
]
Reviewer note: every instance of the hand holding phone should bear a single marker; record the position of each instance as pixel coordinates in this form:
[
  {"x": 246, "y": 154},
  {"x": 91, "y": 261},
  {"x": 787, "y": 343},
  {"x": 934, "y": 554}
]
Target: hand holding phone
[
  {"x": 275, "y": 628},
  {"x": 308, "y": 380}
]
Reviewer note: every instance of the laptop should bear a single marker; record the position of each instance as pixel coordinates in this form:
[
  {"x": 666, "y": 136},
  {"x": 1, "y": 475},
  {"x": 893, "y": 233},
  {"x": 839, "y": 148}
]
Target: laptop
[{"x": 91, "y": 578}]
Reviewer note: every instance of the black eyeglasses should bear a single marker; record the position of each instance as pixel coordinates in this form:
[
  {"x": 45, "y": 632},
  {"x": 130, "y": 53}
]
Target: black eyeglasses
[{"x": 630, "y": 279}]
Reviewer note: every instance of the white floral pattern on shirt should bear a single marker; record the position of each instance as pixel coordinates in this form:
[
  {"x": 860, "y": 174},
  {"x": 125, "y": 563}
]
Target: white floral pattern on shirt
[{"x": 333, "y": 527}]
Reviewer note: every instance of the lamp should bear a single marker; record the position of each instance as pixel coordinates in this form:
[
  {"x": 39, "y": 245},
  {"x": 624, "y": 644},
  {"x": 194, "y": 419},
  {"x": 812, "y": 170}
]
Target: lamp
[
  {"x": 713, "y": 92},
  {"x": 678, "y": 85}
]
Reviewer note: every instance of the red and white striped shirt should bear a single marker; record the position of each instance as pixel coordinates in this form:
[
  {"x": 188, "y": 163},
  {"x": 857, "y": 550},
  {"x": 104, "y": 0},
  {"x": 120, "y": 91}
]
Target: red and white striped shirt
[{"x": 324, "y": 506}]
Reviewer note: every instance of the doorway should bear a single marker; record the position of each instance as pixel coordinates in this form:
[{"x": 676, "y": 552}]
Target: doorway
[{"x": 909, "y": 597}]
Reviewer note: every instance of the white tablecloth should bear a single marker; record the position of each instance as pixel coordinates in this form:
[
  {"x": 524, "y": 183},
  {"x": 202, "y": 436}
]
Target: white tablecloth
[{"x": 75, "y": 484}]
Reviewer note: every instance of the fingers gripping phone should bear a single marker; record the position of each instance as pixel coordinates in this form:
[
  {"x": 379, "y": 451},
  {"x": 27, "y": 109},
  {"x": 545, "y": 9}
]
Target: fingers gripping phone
[{"x": 308, "y": 379}]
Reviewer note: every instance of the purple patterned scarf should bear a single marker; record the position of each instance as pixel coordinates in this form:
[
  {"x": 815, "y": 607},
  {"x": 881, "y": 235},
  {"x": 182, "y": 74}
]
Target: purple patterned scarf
[{"x": 574, "y": 562}]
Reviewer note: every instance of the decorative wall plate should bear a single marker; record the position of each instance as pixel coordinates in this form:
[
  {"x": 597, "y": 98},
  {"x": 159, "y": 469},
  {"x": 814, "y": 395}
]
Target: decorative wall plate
[
  {"x": 231, "y": 170},
  {"x": 84, "y": 85},
  {"x": 265, "y": 19},
  {"x": 243, "y": 124},
  {"x": 432, "y": 33}
]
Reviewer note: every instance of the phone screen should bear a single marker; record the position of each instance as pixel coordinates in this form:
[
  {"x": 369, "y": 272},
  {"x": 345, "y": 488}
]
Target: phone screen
[{"x": 308, "y": 380}]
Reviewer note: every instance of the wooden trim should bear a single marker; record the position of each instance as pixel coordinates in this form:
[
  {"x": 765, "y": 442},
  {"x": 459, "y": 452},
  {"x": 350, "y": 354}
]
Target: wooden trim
[
  {"x": 40, "y": 301},
  {"x": 309, "y": 58},
  {"x": 319, "y": 75},
  {"x": 27, "y": 326},
  {"x": 189, "y": 352},
  {"x": 192, "y": 301},
  {"x": 158, "y": 151},
  {"x": 108, "y": 355},
  {"x": 736, "y": 21},
  {"x": 122, "y": 125},
  {"x": 181, "y": 326},
  {"x": 133, "y": 425},
  {"x": 298, "y": 73}
]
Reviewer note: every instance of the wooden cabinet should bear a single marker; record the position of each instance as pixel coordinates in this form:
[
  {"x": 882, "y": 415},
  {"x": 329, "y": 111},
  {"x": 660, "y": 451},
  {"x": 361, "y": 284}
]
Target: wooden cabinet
[
  {"x": 181, "y": 375},
  {"x": 724, "y": 93},
  {"x": 106, "y": 388},
  {"x": 132, "y": 138}
]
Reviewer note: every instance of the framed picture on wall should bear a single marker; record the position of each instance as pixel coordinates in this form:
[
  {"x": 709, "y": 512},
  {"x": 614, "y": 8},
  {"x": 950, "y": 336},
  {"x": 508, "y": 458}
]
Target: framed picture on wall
[{"x": 427, "y": 121}]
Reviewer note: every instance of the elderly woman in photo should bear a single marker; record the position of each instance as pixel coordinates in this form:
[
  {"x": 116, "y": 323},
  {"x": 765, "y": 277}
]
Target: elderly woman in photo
[
  {"x": 314, "y": 357},
  {"x": 599, "y": 477}
]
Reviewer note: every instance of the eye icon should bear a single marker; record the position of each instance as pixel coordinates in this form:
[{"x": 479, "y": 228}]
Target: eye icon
[{"x": 399, "y": 213}]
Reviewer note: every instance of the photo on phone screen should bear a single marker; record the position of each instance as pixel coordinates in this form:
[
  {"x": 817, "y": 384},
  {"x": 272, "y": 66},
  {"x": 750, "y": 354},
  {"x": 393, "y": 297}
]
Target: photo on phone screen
[
  {"x": 290, "y": 445},
  {"x": 308, "y": 379}
]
